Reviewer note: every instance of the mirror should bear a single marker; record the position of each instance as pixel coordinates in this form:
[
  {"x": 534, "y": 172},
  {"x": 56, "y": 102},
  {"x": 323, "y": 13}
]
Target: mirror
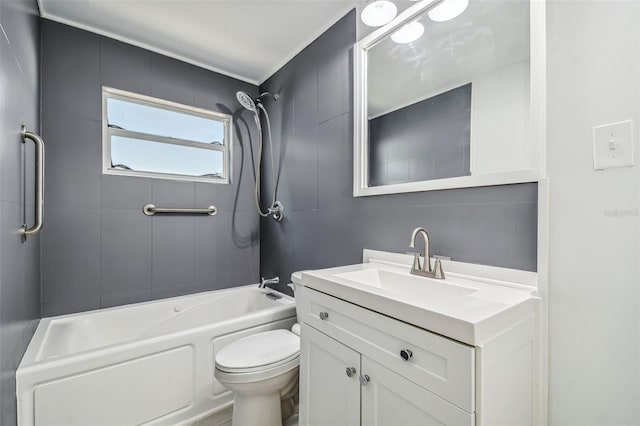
[{"x": 447, "y": 104}]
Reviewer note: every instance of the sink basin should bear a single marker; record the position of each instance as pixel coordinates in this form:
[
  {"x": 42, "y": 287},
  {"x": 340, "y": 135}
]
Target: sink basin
[
  {"x": 421, "y": 289},
  {"x": 473, "y": 304}
]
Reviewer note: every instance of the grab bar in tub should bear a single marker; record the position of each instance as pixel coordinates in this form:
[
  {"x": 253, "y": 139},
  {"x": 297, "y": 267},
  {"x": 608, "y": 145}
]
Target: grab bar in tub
[
  {"x": 150, "y": 210},
  {"x": 37, "y": 227}
]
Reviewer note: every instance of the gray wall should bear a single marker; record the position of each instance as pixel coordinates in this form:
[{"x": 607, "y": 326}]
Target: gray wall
[
  {"x": 430, "y": 139},
  {"x": 325, "y": 225},
  {"x": 19, "y": 262},
  {"x": 99, "y": 249}
]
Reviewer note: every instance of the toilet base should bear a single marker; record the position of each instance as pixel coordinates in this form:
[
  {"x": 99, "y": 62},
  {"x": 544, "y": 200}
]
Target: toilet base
[
  {"x": 251, "y": 410},
  {"x": 259, "y": 402}
]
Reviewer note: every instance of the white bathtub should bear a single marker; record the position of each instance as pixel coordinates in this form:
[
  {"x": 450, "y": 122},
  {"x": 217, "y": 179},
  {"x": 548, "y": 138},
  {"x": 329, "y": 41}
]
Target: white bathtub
[{"x": 148, "y": 363}]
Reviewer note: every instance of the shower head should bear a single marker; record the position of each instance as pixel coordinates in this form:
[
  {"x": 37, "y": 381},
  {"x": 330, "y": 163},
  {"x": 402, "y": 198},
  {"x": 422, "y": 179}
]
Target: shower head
[{"x": 246, "y": 101}]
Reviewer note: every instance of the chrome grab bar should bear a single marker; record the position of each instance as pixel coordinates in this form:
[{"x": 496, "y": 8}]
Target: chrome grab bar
[
  {"x": 37, "y": 227},
  {"x": 150, "y": 210}
]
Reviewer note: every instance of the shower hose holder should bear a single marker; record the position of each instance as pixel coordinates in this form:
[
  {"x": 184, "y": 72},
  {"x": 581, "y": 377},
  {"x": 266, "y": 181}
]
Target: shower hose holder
[{"x": 277, "y": 211}]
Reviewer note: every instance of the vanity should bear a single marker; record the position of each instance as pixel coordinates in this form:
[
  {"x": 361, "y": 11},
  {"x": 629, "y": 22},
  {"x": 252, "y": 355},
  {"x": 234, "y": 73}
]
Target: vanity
[{"x": 380, "y": 346}]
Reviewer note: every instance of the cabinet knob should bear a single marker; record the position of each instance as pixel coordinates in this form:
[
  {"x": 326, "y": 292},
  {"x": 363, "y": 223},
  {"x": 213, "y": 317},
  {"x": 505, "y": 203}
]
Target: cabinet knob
[
  {"x": 364, "y": 379},
  {"x": 351, "y": 371},
  {"x": 324, "y": 315},
  {"x": 405, "y": 354}
]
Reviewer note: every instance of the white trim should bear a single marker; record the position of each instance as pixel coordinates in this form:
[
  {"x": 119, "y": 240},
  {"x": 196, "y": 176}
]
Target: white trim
[
  {"x": 145, "y": 46},
  {"x": 107, "y": 133},
  {"x": 505, "y": 178},
  {"x": 538, "y": 134},
  {"x": 537, "y": 100},
  {"x": 541, "y": 394}
]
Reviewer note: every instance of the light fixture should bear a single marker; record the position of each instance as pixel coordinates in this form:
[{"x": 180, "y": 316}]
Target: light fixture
[
  {"x": 379, "y": 13},
  {"x": 448, "y": 9},
  {"x": 408, "y": 33}
]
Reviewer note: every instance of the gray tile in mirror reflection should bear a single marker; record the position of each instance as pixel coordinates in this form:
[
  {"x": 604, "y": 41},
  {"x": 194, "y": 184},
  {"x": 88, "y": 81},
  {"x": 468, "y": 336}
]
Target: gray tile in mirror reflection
[{"x": 435, "y": 131}]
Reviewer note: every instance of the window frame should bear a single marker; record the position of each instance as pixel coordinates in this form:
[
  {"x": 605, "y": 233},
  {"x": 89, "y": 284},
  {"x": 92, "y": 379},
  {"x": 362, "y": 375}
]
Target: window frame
[{"x": 108, "y": 132}]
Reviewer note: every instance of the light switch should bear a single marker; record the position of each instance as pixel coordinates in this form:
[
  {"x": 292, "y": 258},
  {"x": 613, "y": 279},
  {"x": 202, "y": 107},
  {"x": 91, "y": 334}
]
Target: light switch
[{"x": 613, "y": 145}]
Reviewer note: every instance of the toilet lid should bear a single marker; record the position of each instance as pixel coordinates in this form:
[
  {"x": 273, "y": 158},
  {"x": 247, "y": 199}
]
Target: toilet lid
[{"x": 259, "y": 349}]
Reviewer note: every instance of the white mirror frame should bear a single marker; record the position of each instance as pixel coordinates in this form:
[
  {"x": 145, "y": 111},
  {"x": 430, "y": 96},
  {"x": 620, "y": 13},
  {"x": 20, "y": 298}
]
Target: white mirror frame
[{"x": 538, "y": 100}]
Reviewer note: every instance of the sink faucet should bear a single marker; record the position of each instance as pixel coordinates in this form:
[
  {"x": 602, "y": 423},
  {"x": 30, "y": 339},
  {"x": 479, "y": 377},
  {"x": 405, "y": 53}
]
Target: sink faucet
[
  {"x": 424, "y": 270},
  {"x": 264, "y": 281}
]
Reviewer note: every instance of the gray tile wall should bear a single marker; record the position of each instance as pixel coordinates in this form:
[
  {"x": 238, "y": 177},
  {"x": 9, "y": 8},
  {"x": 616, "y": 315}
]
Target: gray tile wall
[
  {"x": 99, "y": 249},
  {"x": 430, "y": 139},
  {"x": 19, "y": 262},
  {"x": 325, "y": 225}
]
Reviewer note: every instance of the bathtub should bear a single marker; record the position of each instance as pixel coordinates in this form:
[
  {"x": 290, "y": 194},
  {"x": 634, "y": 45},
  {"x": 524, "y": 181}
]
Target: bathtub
[{"x": 150, "y": 363}]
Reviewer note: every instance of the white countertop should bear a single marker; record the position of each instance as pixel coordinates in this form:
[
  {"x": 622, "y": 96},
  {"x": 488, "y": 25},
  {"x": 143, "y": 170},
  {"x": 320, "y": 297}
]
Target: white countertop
[{"x": 474, "y": 309}]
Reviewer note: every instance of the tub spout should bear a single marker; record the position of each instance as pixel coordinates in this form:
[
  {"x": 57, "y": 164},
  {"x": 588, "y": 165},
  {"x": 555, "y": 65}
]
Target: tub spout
[{"x": 264, "y": 281}]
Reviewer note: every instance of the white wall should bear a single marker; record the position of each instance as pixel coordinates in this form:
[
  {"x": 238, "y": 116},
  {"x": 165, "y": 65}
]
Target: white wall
[
  {"x": 593, "y": 79},
  {"x": 500, "y": 120}
]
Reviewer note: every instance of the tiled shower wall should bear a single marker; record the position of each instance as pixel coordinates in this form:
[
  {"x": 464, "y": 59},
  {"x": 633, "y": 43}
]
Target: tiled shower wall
[
  {"x": 19, "y": 262},
  {"x": 98, "y": 248},
  {"x": 325, "y": 225}
]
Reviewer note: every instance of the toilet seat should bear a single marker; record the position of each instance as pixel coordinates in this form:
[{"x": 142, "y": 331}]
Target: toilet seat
[{"x": 258, "y": 357}]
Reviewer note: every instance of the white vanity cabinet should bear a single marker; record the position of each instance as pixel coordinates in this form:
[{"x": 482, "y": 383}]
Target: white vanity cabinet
[{"x": 359, "y": 367}]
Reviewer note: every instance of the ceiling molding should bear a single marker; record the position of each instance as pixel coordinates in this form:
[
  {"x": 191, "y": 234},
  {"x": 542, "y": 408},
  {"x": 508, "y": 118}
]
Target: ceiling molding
[{"x": 342, "y": 8}]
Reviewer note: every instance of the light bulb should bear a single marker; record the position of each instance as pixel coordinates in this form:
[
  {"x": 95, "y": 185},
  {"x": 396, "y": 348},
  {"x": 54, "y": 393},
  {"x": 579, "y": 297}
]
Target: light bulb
[
  {"x": 448, "y": 9},
  {"x": 379, "y": 13},
  {"x": 408, "y": 33}
]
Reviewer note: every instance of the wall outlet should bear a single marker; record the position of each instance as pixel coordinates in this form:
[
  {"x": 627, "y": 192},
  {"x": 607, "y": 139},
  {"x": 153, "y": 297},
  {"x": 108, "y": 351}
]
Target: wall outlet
[{"x": 613, "y": 145}]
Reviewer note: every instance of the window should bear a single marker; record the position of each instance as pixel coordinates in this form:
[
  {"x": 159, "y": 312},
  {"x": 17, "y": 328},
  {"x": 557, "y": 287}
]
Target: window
[{"x": 144, "y": 136}]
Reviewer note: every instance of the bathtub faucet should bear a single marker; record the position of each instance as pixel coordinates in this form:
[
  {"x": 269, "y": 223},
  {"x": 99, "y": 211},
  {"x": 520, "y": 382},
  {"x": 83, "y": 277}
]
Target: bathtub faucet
[{"x": 264, "y": 281}]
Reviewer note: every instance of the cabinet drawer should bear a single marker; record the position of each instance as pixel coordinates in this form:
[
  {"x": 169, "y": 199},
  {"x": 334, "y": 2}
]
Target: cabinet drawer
[{"x": 440, "y": 365}]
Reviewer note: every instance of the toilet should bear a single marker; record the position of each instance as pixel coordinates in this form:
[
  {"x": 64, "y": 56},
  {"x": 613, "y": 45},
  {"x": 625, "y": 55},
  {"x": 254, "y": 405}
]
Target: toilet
[{"x": 260, "y": 369}]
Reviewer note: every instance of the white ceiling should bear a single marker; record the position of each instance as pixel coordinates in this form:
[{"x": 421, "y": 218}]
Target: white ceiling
[{"x": 245, "y": 39}]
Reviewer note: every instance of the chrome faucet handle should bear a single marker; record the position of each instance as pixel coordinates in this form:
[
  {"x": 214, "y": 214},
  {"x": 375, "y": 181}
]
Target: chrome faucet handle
[
  {"x": 416, "y": 261},
  {"x": 438, "y": 273}
]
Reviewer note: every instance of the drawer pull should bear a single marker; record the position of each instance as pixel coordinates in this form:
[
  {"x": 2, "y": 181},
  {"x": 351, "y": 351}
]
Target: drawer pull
[
  {"x": 405, "y": 354},
  {"x": 364, "y": 379},
  {"x": 351, "y": 371},
  {"x": 324, "y": 315}
]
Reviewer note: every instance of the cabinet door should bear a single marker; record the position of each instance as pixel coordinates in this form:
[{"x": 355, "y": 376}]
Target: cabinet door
[
  {"x": 389, "y": 399},
  {"x": 328, "y": 396}
]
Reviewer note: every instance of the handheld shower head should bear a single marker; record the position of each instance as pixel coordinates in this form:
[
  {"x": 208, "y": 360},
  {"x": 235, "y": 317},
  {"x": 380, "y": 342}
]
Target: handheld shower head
[{"x": 246, "y": 101}]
